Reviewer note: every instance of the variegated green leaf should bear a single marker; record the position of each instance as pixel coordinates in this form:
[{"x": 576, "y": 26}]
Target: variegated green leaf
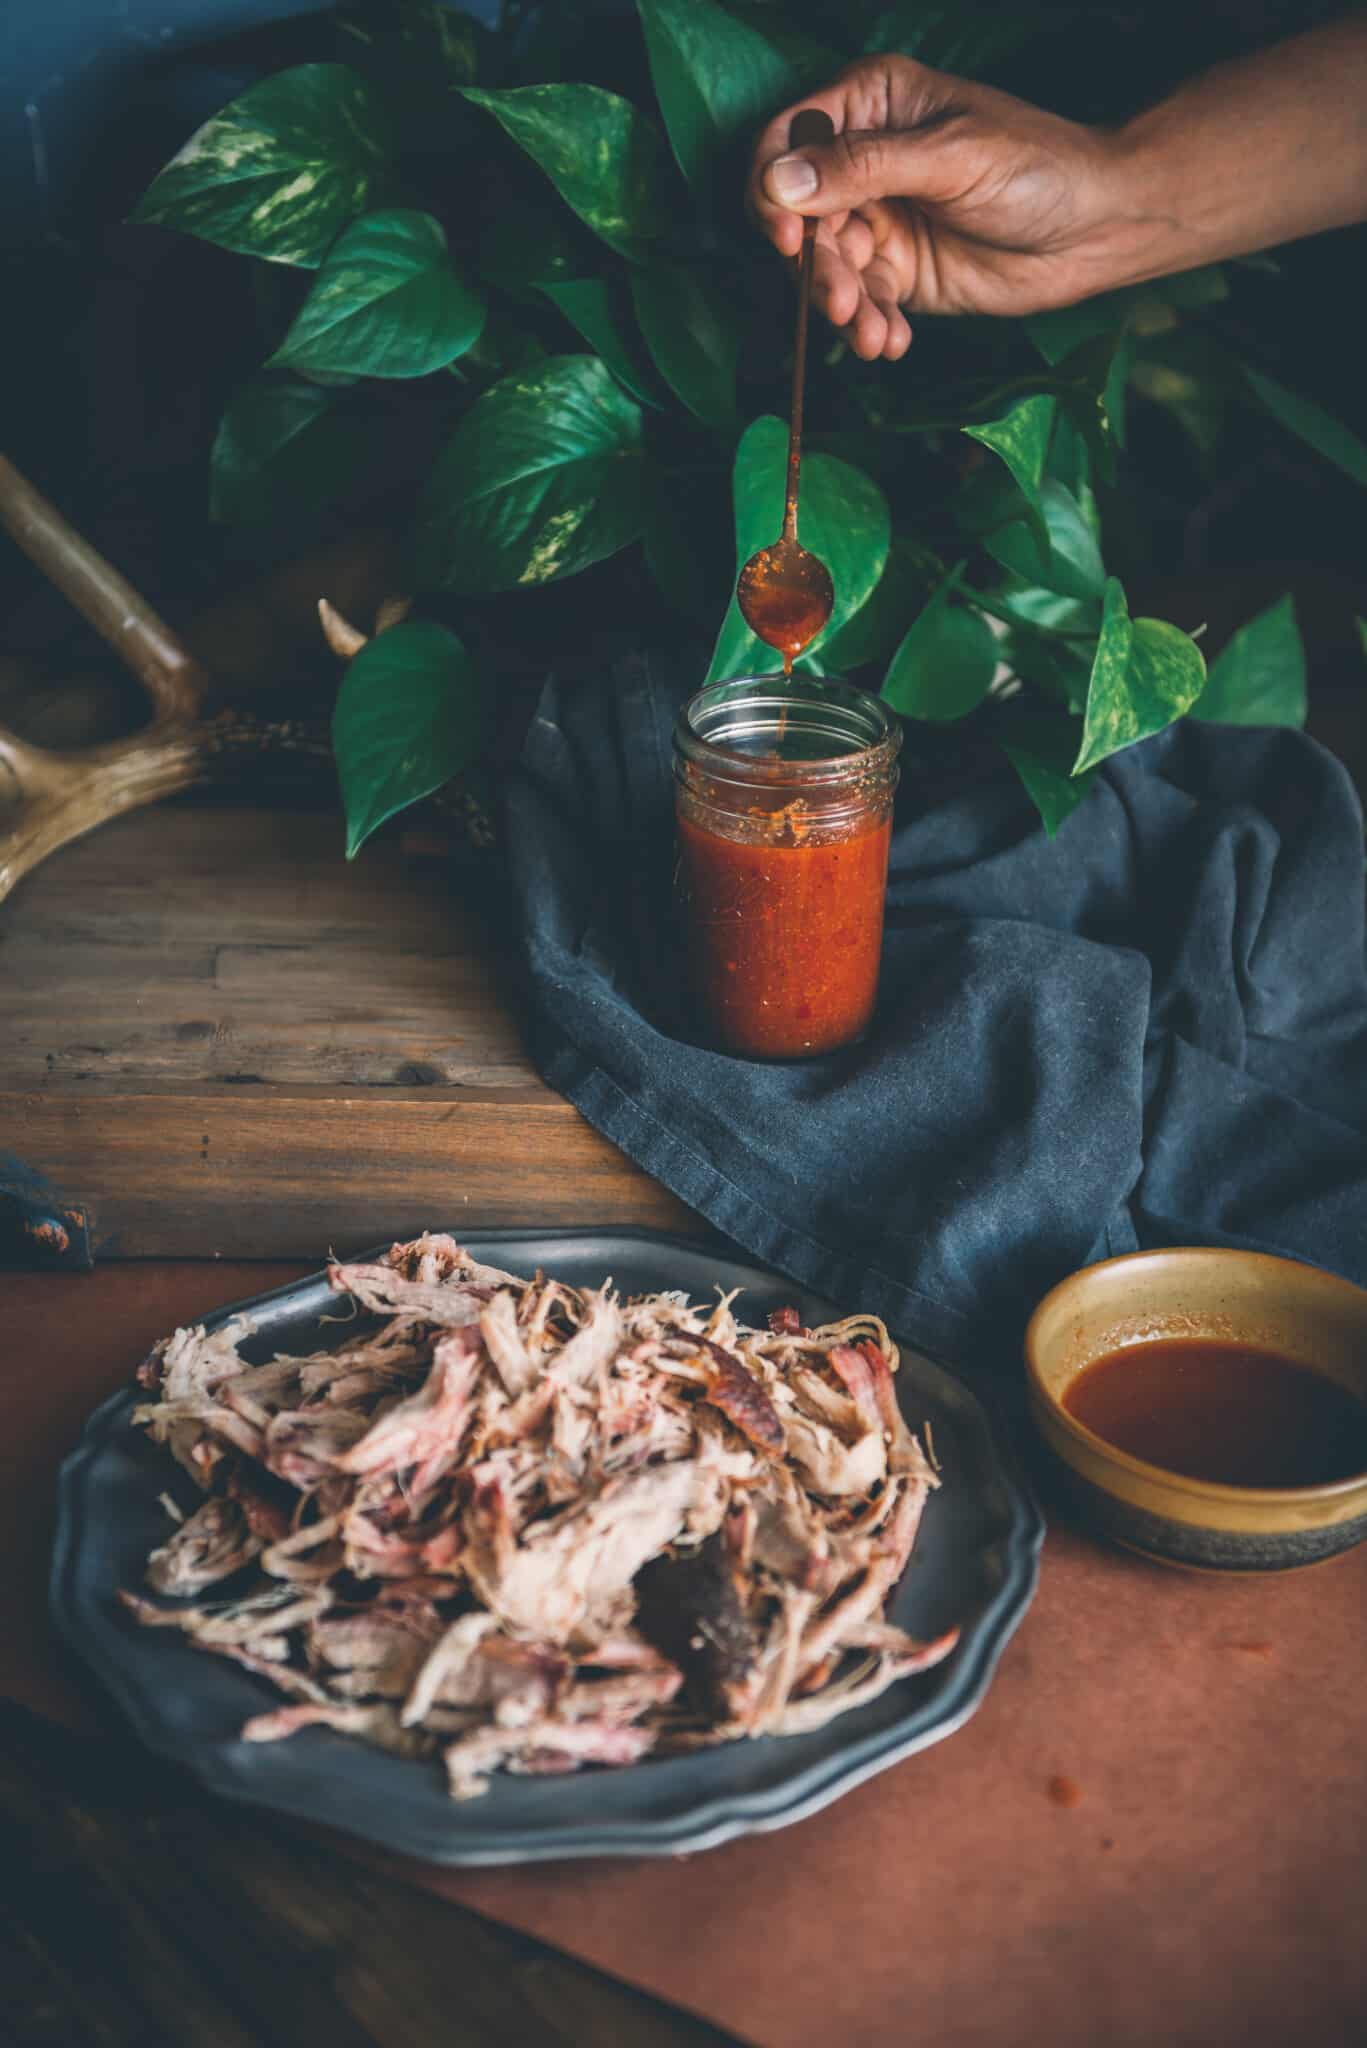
[
  {"x": 1146, "y": 673},
  {"x": 542, "y": 477},
  {"x": 605, "y": 159},
  {"x": 281, "y": 170},
  {"x": 388, "y": 302}
]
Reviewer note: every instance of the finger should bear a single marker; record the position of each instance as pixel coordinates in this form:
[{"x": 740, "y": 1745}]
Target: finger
[
  {"x": 779, "y": 223},
  {"x": 880, "y": 284},
  {"x": 835, "y": 286},
  {"x": 837, "y": 177},
  {"x": 855, "y": 242},
  {"x": 869, "y": 329}
]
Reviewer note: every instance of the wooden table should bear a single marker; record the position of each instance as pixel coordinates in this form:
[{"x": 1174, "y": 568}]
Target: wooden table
[{"x": 228, "y": 1042}]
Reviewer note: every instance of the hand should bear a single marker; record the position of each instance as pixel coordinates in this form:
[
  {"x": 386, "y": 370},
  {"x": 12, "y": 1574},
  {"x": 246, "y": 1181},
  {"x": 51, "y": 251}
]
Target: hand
[{"x": 938, "y": 195}]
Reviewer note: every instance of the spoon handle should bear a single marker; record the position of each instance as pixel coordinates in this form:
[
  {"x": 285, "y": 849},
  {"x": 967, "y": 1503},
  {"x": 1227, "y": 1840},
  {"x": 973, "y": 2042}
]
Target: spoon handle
[{"x": 811, "y": 125}]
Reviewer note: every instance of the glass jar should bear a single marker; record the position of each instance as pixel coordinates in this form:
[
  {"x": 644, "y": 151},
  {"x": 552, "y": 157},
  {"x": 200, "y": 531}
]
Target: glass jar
[{"x": 783, "y": 797}]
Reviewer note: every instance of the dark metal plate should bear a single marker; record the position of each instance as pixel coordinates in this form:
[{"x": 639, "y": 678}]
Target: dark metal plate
[{"x": 975, "y": 1563}]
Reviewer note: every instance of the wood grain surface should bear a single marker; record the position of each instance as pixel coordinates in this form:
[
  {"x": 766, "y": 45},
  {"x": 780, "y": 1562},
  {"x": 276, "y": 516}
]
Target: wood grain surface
[
  {"x": 228, "y": 1041},
  {"x": 141, "y": 1914}
]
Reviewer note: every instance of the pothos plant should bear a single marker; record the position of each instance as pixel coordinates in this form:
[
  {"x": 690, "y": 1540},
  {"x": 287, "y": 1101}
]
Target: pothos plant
[{"x": 557, "y": 269}]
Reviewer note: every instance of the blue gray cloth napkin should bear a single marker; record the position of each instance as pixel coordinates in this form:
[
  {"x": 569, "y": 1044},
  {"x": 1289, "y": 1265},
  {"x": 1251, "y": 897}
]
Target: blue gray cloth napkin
[{"x": 1152, "y": 1031}]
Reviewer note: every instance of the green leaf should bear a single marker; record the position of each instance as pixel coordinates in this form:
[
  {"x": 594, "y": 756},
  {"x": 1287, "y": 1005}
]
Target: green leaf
[
  {"x": 715, "y": 78},
  {"x": 1145, "y": 674},
  {"x": 280, "y": 170},
  {"x": 1074, "y": 567},
  {"x": 1040, "y": 742},
  {"x": 592, "y": 306},
  {"x": 387, "y": 303},
  {"x": 1311, "y": 423},
  {"x": 943, "y": 667},
  {"x": 1021, "y": 438},
  {"x": 542, "y": 477},
  {"x": 281, "y": 448},
  {"x": 692, "y": 335},
  {"x": 605, "y": 160},
  {"x": 844, "y": 520},
  {"x": 409, "y": 716},
  {"x": 878, "y": 625},
  {"x": 1259, "y": 677}
]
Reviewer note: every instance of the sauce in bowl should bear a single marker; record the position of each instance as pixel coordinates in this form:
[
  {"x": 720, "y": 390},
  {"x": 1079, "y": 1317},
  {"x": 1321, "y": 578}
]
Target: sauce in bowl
[{"x": 1220, "y": 1411}]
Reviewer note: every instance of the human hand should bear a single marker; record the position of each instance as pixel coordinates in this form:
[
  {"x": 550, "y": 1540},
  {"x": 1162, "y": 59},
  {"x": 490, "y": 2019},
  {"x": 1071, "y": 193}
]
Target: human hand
[{"x": 937, "y": 195}]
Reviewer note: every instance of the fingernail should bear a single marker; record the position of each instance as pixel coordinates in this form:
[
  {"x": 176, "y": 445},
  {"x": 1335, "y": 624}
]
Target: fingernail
[{"x": 792, "y": 177}]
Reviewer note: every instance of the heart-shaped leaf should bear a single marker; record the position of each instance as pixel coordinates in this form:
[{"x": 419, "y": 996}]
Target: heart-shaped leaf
[
  {"x": 596, "y": 310},
  {"x": 281, "y": 170},
  {"x": 1021, "y": 438},
  {"x": 605, "y": 159},
  {"x": 715, "y": 78},
  {"x": 281, "y": 447},
  {"x": 1311, "y": 423},
  {"x": 844, "y": 521},
  {"x": 542, "y": 477},
  {"x": 1074, "y": 567},
  {"x": 387, "y": 303},
  {"x": 1145, "y": 674},
  {"x": 1259, "y": 677},
  {"x": 691, "y": 332},
  {"x": 409, "y": 716},
  {"x": 945, "y": 663}
]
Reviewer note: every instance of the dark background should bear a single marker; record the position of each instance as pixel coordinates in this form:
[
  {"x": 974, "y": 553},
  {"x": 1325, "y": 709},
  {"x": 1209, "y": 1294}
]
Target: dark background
[{"x": 121, "y": 344}]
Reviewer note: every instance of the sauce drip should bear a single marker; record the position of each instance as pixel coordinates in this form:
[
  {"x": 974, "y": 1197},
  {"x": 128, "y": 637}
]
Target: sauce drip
[{"x": 1223, "y": 1412}]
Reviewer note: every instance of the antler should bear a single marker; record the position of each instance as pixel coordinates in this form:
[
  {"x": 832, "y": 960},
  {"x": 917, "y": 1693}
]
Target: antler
[{"x": 56, "y": 797}]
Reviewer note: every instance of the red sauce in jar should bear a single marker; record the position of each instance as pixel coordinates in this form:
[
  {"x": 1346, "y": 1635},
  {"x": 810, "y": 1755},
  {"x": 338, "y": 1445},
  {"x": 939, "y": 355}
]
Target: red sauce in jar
[
  {"x": 784, "y": 797},
  {"x": 784, "y": 934}
]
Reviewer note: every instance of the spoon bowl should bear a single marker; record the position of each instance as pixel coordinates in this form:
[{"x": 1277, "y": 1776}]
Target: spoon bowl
[{"x": 785, "y": 596}]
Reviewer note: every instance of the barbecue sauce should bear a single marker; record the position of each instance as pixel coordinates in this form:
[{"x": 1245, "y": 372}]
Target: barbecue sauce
[
  {"x": 786, "y": 599},
  {"x": 1223, "y": 1412},
  {"x": 784, "y": 932}
]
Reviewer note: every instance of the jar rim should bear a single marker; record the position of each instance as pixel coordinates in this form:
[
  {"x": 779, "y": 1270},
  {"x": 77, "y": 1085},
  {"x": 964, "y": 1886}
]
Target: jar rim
[{"x": 767, "y": 705}]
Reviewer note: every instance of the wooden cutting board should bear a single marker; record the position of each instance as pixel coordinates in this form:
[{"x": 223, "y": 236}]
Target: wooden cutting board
[{"x": 228, "y": 1041}]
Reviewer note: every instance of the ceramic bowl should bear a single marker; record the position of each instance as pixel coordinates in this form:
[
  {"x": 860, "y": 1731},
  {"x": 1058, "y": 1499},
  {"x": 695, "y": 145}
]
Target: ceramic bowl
[{"x": 1244, "y": 1297}]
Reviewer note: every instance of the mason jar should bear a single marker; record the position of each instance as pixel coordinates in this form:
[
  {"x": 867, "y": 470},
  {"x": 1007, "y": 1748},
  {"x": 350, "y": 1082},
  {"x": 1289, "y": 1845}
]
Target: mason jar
[{"x": 783, "y": 800}]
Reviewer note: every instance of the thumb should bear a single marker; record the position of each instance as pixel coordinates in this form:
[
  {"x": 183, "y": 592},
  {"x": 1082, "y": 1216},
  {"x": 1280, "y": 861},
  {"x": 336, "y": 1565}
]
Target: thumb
[{"x": 836, "y": 177}]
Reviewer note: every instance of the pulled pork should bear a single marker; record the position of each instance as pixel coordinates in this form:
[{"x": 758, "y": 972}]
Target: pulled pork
[{"x": 526, "y": 1526}]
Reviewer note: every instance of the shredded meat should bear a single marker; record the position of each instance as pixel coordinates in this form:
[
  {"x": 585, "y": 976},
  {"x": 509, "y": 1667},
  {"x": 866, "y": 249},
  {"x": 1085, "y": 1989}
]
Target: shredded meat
[{"x": 527, "y": 1527}]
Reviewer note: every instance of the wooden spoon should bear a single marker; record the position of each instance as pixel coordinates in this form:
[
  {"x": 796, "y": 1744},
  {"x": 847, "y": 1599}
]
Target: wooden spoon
[{"x": 785, "y": 594}]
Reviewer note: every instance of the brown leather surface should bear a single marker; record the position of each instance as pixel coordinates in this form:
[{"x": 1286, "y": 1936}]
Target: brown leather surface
[{"x": 1155, "y": 1829}]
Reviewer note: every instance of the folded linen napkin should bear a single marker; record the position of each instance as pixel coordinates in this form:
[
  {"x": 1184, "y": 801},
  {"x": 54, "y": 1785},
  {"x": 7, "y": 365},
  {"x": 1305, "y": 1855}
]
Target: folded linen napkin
[{"x": 1151, "y": 1031}]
